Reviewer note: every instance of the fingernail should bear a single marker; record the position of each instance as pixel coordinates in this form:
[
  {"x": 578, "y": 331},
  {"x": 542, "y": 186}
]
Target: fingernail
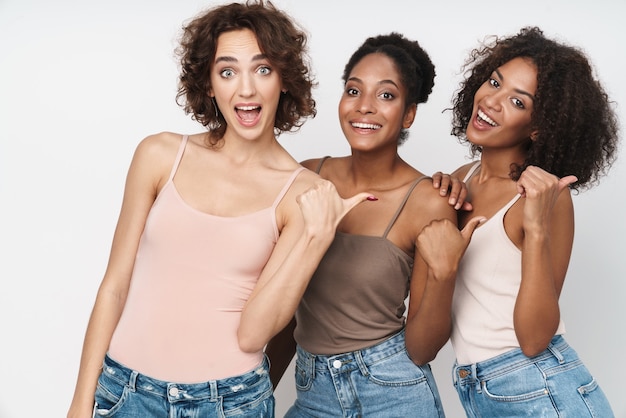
[{"x": 372, "y": 198}]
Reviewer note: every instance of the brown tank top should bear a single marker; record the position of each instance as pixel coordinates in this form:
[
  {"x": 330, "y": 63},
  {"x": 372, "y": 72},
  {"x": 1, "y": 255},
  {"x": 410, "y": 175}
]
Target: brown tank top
[{"x": 356, "y": 296}]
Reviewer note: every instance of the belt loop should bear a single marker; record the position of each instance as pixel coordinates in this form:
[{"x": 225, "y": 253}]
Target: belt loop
[
  {"x": 455, "y": 372},
  {"x": 475, "y": 377},
  {"x": 214, "y": 391},
  {"x": 362, "y": 366},
  {"x": 555, "y": 351},
  {"x": 132, "y": 381}
]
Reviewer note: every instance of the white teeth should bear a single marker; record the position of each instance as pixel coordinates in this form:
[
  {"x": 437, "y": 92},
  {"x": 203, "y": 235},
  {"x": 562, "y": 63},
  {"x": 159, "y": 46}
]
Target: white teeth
[
  {"x": 247, "y": 107},
  {"x": 365, "y": 125},
  {"x": 486, "y": 118}
]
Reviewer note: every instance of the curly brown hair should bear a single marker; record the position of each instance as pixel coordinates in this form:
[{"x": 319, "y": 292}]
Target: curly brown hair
[
  {"x": 279, "y": 38},
  {"x": 576, "y": 124},
  {"x": 416, "y": 70}
]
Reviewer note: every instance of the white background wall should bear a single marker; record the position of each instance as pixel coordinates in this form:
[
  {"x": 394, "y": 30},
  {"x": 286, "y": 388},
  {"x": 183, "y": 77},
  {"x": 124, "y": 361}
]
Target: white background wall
[{"x": 82, "y": 82}]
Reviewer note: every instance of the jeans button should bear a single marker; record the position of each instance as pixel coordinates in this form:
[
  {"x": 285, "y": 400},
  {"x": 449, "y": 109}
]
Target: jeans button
[
  {"x": 337, "y": 364},
  {"x": 463, "y": 373},
  {"x": 173, "y": 391}
]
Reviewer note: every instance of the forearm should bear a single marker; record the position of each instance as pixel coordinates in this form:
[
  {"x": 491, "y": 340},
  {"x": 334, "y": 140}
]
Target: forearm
[
  {"x": 272, "y": 306},
  {"x": 537, "y": 314},
  {"x": 280, "y": 350},
  {"x": 429, "y": 328},
  {"x": 104, "y": 317}
]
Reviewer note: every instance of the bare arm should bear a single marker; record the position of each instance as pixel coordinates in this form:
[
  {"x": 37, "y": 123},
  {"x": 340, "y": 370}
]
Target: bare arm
[
  {"x": 140, "y": 191},
  {"x": 307, "y": 234},
  {"x": 548, "y": 226},
  {"x": 280, "y": 350},
  {"x": 439, "y": 249}
]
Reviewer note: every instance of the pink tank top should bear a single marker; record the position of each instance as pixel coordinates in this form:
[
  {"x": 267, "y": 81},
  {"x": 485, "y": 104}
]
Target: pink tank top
[{"x": 193, "y": 274}]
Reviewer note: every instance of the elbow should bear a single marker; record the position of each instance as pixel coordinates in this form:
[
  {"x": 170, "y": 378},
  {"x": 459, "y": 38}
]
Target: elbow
[
  {"x": 422, "y": 360},
  {"x": 249, "y": 343},
  {"x": 420, "y": 357},
  {"x": 531, "y": 348}
]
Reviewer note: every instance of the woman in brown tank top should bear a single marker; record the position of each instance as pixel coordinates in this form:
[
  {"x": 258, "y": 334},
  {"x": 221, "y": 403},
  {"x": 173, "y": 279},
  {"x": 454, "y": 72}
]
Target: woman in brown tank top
[{"x": 350, "y": 325}]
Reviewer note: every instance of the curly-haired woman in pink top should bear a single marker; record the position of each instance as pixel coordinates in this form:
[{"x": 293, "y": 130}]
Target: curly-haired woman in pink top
[{"x": 214, "y": 228}]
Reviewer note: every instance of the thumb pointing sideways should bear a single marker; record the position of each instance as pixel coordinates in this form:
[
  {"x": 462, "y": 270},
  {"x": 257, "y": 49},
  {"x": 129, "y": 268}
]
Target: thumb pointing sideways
[{"x": 471, "y": 226}]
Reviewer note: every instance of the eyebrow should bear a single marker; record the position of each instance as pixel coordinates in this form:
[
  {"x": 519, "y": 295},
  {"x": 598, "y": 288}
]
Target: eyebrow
[
  {"x": 380, "y": 83},
  {"x": 258, "y": 57},
  {"x": 525, "y": 93}
]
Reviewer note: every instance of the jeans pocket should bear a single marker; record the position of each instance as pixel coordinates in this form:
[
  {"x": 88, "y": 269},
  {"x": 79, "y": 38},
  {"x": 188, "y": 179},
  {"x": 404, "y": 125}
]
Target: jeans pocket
[
  {"x": 254, "y": 403},
  {"x": 303, "y": 376},
  {"x": 595, "y": 400},
  {"x": 521, "y": 384},
  {"x": 110, "y": 396},
  {"x": 396, "y": 370}
]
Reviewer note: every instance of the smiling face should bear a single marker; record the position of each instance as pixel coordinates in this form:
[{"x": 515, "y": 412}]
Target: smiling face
[
  {"x": 244, "y": 85},
  {"x": 372, "y": 107},
  {"x": 503, "y": 106}
]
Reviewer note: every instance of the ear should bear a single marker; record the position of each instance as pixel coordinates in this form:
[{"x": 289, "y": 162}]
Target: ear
[
  {"x": 533, "y": 135},
  {"x": 409, "y": 116}
]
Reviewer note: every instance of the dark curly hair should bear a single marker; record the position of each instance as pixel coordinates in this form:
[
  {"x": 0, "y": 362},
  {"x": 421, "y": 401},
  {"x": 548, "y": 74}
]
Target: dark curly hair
[
  {"x": 279, "y": 38},
  {"x": 416, "y": 70},
  {"x": 577, "y": 127}
]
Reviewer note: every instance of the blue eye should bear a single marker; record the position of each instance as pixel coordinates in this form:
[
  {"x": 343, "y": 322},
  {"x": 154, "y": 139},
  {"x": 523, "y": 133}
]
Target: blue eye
[
  {"x": 227, "y": 73},
  {"x": 265, "y": 70}
]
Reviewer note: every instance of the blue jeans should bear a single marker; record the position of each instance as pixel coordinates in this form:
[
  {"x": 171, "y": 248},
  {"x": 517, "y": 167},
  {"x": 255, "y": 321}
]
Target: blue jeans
[
  {"x": 379, "y": 381},
  {"x": 554, "y": 383},
  {"x": 122, "y": 392}
]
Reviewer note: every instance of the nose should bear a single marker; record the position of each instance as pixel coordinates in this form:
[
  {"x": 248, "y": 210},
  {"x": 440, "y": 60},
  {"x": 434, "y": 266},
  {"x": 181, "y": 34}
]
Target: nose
[
  {"x": 494, "y": 99},
  {"x": 246, "y": 85},
  {"x": 365, "y": 105}
]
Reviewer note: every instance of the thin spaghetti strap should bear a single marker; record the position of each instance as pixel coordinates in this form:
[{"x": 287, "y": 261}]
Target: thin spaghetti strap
[
  {"x": 406, "y": 198},
  {"x": 321, "y": 163},
  {"x": 286, "y": 187},
  {"x": 471, "y": 171},
  {"x": 179, "y": 156}
]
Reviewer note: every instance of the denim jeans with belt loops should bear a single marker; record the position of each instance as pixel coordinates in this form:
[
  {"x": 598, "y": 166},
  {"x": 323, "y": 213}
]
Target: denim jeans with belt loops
[
  {"x": 554, "y": 383},
  {"x": 380, "y": 381},
  {"x": 125, "y": 393}
]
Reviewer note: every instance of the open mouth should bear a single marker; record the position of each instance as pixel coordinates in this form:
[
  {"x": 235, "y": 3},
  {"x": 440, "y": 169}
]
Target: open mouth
[
  {"x": 360, "y": 125},
  {"x": 483, "y": 117},
  {"x": 248, "y": 113}
]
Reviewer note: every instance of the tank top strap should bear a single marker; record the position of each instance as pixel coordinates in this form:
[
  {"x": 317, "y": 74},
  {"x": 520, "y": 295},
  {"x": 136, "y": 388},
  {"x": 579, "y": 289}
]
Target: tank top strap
[
  {"x": 471, "y": 171},
  {"x": 321, "y": 163},
  {"x": 406, "y": 198},
  {"x": 179, "y": 156},
  {"x": 286, "y": 187}
]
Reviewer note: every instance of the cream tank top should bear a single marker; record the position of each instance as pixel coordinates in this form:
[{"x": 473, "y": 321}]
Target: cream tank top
[
  {"x": 487, "y": 284},
  {"x": 193, "y": 274}
]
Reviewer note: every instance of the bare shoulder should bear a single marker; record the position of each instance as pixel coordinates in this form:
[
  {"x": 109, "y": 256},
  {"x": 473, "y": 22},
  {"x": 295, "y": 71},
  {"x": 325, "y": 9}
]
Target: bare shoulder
[
  {"x": 426, "y": 200},
  {"x": 155, "y": 156},
  {"x": 311, "y": 164},
  {"x": 160, "y": 145},
  {"x": 462, "y": 171}
]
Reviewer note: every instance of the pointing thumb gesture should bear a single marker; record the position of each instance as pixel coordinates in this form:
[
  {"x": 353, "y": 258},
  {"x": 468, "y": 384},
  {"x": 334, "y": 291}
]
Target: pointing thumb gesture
[
  {"x": 442, "y": 245},
  {"x": 470, "y": 227},
  {"x": 323, "y": 208}
]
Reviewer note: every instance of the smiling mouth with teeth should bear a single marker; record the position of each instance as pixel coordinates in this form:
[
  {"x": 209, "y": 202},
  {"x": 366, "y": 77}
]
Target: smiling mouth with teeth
[
  {"x": 365, "y": 125},
  {"x": 481, "y": 115}
]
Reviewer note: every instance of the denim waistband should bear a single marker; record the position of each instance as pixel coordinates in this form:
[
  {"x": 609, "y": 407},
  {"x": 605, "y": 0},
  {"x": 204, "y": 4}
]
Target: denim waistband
[
  {"x": 176, "y": 391},
  {"x": 351, "y": 360},
  {"x": 508, "y": 361}
]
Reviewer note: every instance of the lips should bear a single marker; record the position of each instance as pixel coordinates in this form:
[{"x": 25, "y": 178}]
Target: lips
[
  {"x": 248, "y": 113},
  {"x": 362, "y": 125},
  {"x": 482, "y": 117}
]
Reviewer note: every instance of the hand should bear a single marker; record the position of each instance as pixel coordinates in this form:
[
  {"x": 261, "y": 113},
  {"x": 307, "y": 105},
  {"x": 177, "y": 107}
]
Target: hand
[
  {"x": 457, "y": 189},
  {"x": 442, "y": 245},
  {"x": 323, "y": 208},
  {"x": 541, "y": 190}
]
